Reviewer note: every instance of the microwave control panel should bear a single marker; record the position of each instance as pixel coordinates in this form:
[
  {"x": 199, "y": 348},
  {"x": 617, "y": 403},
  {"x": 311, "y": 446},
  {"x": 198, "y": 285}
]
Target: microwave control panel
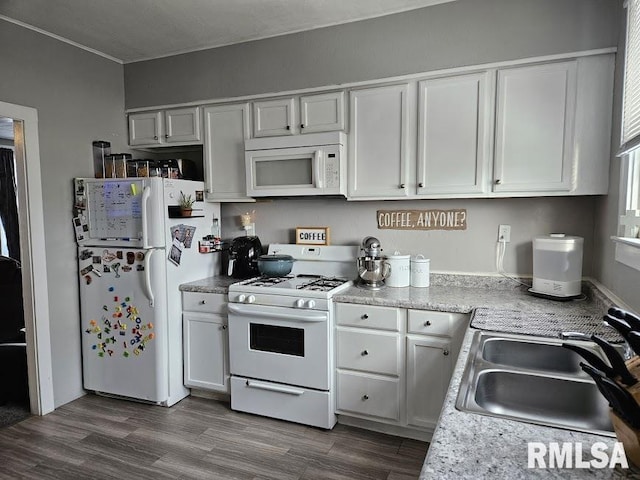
[{"x": 332, "y": 171}]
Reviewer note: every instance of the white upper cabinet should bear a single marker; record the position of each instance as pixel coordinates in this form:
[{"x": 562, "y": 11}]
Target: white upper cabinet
[
  {"x": 179, "y": 126},
  {"x": 274, "y": 117},
  {"x": 454, "y": 134},
  {"x": 226, "y": 127},
  {"x": 534, "y": 128},
  {"x": 292, "y": 115},
  {"x": 322, "y": 113},
  {"x": 379, "y": 142}
]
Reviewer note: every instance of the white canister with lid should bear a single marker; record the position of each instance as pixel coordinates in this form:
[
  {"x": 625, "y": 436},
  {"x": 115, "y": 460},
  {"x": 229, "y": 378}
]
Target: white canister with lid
[
  {"x": 399, "y": 270},
  {"x": 420, "y": 271}
]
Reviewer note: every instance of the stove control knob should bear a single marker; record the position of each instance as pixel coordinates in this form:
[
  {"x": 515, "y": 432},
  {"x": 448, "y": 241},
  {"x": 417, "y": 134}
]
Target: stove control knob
[
  {"x": 311, "y": 303},
  {"x": 299, "y": 303},
  {"x": 251, "y": 299},
  {"x": 241, "y": 298}
]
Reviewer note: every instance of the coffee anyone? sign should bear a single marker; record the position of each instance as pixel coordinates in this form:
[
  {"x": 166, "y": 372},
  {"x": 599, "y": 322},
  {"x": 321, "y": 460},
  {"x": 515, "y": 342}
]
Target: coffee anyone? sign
[{"x": 455, "y": 219}]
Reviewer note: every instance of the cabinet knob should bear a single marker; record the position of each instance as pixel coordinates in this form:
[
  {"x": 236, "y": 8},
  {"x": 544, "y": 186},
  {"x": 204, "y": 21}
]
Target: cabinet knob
[
  {"x": 202, "y": 302},
  {"x": 155, "y": 137},
  {"x": 365, "y": 397},
  {"x": 402, "y": 185},
  {"x": 421, "y": 184},
  {"x": 365, "y": 316},
  {"x": 166, "y": 135},
  {"x": 302, "y": 125},
  {"x": 364, "y": 353},
  {"x": 445, "y": 352},
  {"x": 427, "y": 323},
  {"x": 224, "y": 327},
  {"x": 498, "y": 181},
  {"x": 288, "y": 127}
]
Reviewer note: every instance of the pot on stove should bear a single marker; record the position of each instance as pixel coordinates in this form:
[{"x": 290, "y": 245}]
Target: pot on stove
[{"x": 275, "y": 265}]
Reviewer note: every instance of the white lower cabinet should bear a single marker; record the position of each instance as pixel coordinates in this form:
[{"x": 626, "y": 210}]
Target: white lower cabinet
[
  {"x": 205, "y": 341},
  {"x": 429, "y": 369},
  {"x": 394, "y": 367}
]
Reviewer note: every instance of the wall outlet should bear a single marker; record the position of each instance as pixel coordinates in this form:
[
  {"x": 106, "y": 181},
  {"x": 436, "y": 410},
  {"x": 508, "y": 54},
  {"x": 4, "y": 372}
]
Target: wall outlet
[{"x": 504, "y": 233}]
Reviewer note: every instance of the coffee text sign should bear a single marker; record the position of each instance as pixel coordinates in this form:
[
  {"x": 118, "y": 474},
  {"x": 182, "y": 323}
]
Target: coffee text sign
[{"x": 455, "y": 219}]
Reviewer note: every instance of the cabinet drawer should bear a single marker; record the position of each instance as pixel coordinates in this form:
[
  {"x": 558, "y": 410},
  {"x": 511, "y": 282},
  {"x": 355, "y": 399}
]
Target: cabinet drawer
[
  {"x": 424, "y": 322},
  {"x": 366, "y": 316},
  {"x": 368, "y": 395},
  {"x": 377, "y": 352},
  {"x": 204, "y": 302}
]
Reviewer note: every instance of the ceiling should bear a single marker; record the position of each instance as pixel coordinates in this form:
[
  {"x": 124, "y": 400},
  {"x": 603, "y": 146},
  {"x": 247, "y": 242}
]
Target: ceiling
[{"x": 128, "y": 31}]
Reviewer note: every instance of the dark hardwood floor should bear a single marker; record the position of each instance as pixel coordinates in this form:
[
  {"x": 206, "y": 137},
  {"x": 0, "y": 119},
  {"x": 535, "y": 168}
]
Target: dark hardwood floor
[{"x": 102, "y": 438}]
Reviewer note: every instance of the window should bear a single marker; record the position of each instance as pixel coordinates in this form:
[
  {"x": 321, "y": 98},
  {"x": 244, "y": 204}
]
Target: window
[{"x": 628, "y": 235}]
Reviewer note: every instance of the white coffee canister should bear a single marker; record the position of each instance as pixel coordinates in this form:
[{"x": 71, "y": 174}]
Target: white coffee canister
[
  {"x": 399, "y": 270},
  {"x": 420, "y": 271}
]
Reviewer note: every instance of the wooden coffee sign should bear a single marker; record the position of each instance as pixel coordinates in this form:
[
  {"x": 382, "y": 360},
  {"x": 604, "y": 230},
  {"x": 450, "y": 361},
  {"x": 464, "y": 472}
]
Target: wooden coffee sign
[{"x": 455, "y": 219}]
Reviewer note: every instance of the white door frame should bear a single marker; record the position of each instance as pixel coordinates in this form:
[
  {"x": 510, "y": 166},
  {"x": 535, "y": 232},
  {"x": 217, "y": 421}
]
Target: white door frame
[{"x": 34, "y": 265}]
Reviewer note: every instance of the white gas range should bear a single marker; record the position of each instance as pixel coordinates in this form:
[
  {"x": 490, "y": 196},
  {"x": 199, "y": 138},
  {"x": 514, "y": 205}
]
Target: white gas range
[{"x": 281, "y": 336}]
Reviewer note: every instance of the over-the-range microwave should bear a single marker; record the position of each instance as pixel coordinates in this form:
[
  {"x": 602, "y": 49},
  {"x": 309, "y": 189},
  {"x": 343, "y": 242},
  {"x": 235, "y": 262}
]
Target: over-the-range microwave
[{"x": 306, "y": 164}]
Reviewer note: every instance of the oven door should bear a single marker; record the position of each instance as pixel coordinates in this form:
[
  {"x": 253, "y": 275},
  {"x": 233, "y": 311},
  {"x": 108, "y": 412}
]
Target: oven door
[{"x": 280, "y": 344}]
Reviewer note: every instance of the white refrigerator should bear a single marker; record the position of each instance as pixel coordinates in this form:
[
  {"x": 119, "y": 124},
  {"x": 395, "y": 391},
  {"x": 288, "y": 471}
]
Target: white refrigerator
[{"x": 134, "y": 250}]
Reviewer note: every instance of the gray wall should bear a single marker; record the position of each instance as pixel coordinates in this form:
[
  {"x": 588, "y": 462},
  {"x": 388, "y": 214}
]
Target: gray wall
[
  {"x": 471, "y": 250},
  {"x": 80, "y": 98},
  {"x": 464, "y": 32}
]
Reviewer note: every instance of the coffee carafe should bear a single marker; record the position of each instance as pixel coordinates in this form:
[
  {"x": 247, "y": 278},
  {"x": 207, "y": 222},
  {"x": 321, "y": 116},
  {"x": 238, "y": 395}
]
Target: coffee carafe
[{"x": 372, "y": 267}]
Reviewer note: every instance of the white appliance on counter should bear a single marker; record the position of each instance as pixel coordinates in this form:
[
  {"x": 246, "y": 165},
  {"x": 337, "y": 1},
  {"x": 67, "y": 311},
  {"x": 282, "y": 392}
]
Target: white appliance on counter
[
  {"x": 310, "y": 164},
  {"x": 281, "y": 336},
  {"x": 134, "y": 250}
]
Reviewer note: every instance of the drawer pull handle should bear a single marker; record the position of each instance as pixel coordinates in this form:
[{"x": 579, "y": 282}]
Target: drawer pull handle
[
  {"x": 202, "y": 302},
  {"x": 365, "y": 397},
  {"x": 427, "y": 323},
  {"x": 364, "y": 353},
  {"x": 365, "y": 316},
  {"x": 445, "y": 352}
]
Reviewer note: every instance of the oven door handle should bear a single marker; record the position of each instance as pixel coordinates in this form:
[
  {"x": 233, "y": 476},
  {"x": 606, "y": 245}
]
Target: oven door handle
[
  {"x": 274, "y": 388},
  {"x": 308, "y": 316}
]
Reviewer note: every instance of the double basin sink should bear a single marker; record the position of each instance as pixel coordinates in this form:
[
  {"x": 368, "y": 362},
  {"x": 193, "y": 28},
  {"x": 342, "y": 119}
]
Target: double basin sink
[{"x": 534, "y": 380}]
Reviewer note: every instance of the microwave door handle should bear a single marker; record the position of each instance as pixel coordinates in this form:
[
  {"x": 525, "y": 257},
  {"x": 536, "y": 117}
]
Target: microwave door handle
[
  {"x": 146, "y": 194},
  {"x": 318, "y": 173}
]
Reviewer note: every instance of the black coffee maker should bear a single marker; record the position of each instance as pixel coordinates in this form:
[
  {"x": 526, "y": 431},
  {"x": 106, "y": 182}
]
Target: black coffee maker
[{"x": 243, "y": 256}]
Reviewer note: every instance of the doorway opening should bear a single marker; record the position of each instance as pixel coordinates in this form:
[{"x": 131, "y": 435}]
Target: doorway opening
[{"x": 26, "y": 248}]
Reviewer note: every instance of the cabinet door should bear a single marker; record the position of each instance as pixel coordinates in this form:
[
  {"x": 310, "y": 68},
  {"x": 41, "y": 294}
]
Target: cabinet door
[
  {"x": 145, "y": 128},
  {"x": 534, "y": 128},
  {"x": 182, "y": 125},
  {"x": 274, "y": 117},
  {"x": 454, "y": 137},
  {"x": 378, "y": 147},
  {"x": 226, "y": 128},
  {"x": 206, "y": 357},
  {"x": 429, "y": 370},
  {"x": 322, "y": 113}
]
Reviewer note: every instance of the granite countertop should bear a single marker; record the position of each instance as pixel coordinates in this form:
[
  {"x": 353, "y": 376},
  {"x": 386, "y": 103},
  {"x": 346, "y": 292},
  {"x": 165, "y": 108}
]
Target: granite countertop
[{"x": 209, "y": 285}]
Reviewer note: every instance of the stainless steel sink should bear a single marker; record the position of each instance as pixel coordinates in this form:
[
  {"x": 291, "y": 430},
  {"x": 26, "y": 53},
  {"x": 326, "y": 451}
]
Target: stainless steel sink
[
  {"x": 531, "y": 355},
  {"x": 533, "y": 380}
]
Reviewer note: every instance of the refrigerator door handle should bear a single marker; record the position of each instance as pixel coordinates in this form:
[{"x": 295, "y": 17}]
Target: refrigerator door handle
[
  {"x": 146, "y": 194},
  {"x": 147, "y": 278}
]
